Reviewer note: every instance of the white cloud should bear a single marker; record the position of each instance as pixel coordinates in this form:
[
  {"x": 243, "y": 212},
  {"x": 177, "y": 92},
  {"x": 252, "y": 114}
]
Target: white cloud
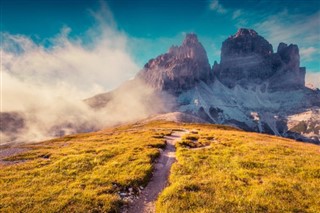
[
  {"x": 307, "y": 53},
  {"x": 236, "y": 14},
  {"x": 313, "y": 78},
  {"x": 90, "y": 67},
  {"x": 47, "y": 85},
  {"x": 216, "y": 6}
]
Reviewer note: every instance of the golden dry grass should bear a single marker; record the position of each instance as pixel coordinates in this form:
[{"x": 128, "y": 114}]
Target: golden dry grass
[
  {"x": 238, "y": 172},
  {"x": 80, "y": 173},
  {"x": 243, "y": 172}
]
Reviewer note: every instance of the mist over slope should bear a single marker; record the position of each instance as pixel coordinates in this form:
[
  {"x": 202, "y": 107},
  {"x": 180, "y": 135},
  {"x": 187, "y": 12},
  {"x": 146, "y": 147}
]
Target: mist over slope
[{"x": 43, "y": 87}]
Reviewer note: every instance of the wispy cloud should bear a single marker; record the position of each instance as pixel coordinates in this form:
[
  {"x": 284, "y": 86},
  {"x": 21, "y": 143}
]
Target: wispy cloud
[
  {"x": 307, "y": 53},
  {"x": 216, "y": 6},
  {"x": 291, "y": 28},
  {"x": 236, "y": 14}
]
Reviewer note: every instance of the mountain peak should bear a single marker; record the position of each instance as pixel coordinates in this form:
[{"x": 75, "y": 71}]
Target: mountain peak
[
  {"x": 245, "y": 32},
  {"x": 245, "y": 42},
  {"x": 247, "y": 57},
  {"x": 181, "y": 68},
  {"x": 191, "y": 38},
  {"x": 190, "y": 48}
]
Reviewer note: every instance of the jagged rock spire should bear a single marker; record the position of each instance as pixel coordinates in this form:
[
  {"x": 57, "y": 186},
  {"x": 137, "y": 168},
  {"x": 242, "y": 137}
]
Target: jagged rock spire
[
  {"x": 181, "y": 68},
  {"x": 247, "y": 58},
  {"x": 245, "y": 42}
]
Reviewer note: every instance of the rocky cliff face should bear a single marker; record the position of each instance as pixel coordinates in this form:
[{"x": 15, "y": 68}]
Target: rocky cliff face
[
  {"x": 181, "y": 68},
  {"x": 245, "y": 42},
  {"x": 289, "y": 73},
  {"x": 253, "y": 87},
  {"x": 247, "y": 58}
]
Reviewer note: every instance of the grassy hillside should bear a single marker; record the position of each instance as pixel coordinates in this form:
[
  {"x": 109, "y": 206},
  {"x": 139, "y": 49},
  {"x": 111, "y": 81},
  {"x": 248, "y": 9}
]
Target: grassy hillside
[
  {"x": 80, "y": 173},
  {"x": 242, "y": 172},
  {"x": 219, "y": 169}
]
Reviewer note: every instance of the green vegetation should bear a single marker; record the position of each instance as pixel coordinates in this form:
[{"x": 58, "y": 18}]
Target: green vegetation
[
  {"x": 80, "y": 173},
  {"x": 219, "y": 169},
  {"x": 243, "y": 172}
]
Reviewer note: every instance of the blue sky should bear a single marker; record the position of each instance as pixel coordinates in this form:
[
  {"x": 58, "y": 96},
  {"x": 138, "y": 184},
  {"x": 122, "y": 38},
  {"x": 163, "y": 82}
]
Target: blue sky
[{"x": 151, "y": 27}]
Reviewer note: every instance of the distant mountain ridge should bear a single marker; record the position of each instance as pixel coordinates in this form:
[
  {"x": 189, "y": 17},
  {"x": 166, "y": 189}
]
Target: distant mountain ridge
[{"x": 253, "y": 87}]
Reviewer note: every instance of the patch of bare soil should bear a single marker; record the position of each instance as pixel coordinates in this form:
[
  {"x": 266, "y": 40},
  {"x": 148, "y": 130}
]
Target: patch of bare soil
[{"x": 8, "y": 152}]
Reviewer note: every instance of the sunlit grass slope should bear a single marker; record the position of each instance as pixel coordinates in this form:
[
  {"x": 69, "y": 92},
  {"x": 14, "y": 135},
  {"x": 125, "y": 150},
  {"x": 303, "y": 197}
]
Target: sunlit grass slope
[
  {"x": 242, "y": 172},
  {"x": 219, "y": 169},
  {"x": 80, "y": 173}
]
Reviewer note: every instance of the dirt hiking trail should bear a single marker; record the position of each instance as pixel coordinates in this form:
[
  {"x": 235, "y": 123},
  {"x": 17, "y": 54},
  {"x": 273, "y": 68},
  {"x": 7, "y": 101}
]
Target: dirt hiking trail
[{"x": 146, "y": 201}]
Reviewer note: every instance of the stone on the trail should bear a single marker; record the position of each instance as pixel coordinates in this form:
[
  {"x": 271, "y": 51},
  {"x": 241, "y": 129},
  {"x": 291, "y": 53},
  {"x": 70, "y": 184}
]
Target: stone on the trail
[{"x": 128, "y": 199}]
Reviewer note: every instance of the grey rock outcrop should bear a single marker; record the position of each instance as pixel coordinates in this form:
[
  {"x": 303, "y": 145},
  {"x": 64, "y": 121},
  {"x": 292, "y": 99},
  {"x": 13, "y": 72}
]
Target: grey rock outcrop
[
  {"x": 247, "y": 58},
  {"x": 289, "y": 74},
  {"x": 181, "y": 68},
  {"x": 245, "y": 42}
]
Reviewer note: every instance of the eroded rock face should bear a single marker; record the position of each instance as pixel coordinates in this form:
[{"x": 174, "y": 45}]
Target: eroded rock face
[
  {"x": 289, "y": 74},
  {"x": 181, "y": 68},
  {"x": 245, "y": 42},
  {"x": 247, "y": 58}
]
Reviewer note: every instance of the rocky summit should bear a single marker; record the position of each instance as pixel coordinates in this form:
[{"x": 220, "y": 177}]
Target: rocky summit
[
  {"x": 247, "y": 58},
  {"x": 252, "y": 88},
  {"x": 181, "y": 68}
]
